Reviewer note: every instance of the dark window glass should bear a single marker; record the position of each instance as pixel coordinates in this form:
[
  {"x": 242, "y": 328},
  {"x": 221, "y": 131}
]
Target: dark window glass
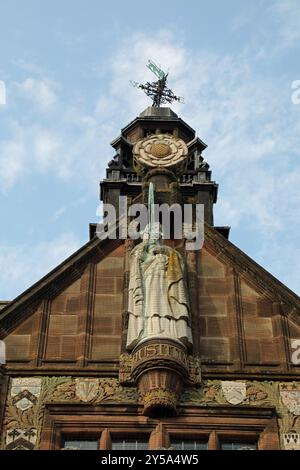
[
  {"x": 189, "y": 445},
  {"x": 85, "y": 444},
  {"x": 238, "y": 446},
  {"x": 129, "y": 444}
]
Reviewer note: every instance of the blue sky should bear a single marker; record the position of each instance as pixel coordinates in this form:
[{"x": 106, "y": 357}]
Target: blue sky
[{"x": 67, "y": 65}]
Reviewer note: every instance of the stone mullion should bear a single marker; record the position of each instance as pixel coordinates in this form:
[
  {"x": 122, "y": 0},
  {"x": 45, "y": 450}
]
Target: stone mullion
[
  {"x": 239, "y": 320},
  {"x": 269, "y": 438},
  {"x": 129, "y": 244},
  {"x": 286, "y": 336},
  {"x": 213, "y": 441},
  {"x": 192, "y": 268},
  {"x": 36, "y": 334},
  {"x": 86, "y": 313},
  {"x": 105, "y": 440},
  {"x": 43, "y": 332},
  {"x": 278, "y": 327},
  {"x": 159, "y": 438}
]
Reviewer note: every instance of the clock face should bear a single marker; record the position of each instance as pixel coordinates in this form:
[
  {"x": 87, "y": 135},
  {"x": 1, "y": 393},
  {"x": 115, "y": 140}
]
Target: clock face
[{"x": 160, "y": 150}]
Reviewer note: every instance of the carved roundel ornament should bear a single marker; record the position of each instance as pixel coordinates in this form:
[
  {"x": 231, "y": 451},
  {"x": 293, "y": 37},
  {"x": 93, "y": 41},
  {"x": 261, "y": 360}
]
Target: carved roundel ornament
[{"x": 160, "y": 150}]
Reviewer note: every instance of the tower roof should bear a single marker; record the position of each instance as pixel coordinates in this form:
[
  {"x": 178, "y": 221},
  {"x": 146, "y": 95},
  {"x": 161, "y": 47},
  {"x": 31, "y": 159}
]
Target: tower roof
[
  {"x": 164, "y": 112},
  {"x": 152, "y": 115}
]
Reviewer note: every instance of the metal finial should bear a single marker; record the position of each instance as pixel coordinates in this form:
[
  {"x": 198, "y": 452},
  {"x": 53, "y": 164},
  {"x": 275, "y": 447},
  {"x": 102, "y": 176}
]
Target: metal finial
[{"x": 158, "y": 91}]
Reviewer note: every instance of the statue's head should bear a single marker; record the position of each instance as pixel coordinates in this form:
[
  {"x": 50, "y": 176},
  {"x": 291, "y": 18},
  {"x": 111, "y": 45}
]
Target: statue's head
[{"x": 151, "y": 245}]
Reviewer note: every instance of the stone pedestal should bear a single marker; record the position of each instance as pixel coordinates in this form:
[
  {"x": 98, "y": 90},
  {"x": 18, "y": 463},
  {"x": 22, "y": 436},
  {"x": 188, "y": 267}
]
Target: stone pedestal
[{"x": 159, "y": 368}]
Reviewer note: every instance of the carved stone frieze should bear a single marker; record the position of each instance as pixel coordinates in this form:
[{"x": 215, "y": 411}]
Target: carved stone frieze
[
  {"x": 22, "y": 427},
  {"x": 126, "y": 362},
  {"x": 22, "y": 424},
  {"x": 194, "y": 364}
]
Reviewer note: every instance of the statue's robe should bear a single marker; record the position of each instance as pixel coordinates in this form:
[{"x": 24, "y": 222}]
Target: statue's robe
[{"x": 158, "y": 304}]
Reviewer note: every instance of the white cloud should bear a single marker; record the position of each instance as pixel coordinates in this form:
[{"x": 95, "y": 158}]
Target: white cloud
[
  {"x": 68, "y": 148},
  {"x": 2, "y": 93},
  {"x": 13, "y": 155},
  {"x": 28, "y": 66},
  {"x": 63, "y": 209},
  {"x": 281, "y": 255},
  {"x": 287, "y": 16},
  {"x": 58, "y": 213},
  {"x": 22, "y": 265},
  {"x": 40, "y": 91},
  {"x": 244, "y": 117},
  {"x": 47, "y": 148},
  {"x": 240, "y": 21},
  {"x": 11, "y": 163}
]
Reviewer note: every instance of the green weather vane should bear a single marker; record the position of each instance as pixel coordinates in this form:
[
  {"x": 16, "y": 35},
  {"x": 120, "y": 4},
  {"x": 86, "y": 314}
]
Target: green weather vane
[{"x": 158, "y": 91}]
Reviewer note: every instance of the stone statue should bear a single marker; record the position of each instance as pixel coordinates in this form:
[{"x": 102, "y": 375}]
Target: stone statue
[{"x": 158, "y": 304}]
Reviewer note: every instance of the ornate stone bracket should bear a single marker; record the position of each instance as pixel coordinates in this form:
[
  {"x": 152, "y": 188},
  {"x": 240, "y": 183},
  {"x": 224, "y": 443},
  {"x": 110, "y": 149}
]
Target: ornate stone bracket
[{"x": 160, "y": 368}]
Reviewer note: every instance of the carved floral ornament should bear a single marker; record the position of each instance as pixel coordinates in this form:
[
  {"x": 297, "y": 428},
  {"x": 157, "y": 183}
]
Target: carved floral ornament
[{"x": 160, "y": 150}]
